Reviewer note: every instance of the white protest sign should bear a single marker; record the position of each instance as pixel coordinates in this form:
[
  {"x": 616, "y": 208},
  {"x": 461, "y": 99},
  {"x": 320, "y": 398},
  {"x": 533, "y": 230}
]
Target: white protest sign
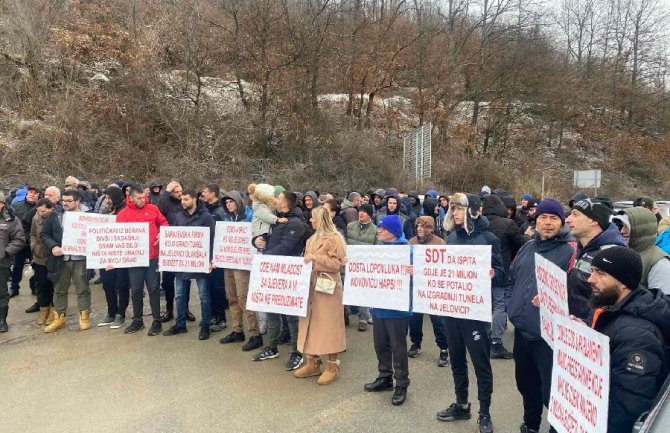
[
  {"x": 580, "y": 379},
  {"x": 279, "y": 284},
  {"x": 552, "y": 289},
  {"x": 184, "y": 249},
  {"x": 74, "y": 230},
  {"x": 232, "y": 246},
  {"x": 121, "y": 245},
  {"x": 376, "y": 276},
  {"x": 453, "y": 280}
]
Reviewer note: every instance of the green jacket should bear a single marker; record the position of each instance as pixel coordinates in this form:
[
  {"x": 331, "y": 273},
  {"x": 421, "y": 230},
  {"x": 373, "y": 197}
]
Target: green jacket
[
  {"x": 643, "y": 226},
  {"x": 361, "y": 234}
]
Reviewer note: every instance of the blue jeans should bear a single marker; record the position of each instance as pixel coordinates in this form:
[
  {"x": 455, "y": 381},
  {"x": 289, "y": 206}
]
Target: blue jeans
[
  {"x": 499, "y": 323},
  {"x": 182, "y": 289}
]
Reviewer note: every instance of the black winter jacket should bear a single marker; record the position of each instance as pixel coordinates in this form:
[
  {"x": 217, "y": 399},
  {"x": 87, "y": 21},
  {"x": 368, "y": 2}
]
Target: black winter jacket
[
  {"x": 511, "y": 238},
  {"x": 287, "y": 239},
  {"x": 169, "y": 207},
  {"x": 639, "y": 331},
  {"x": 12, "y": 237},
  {"x": 579, "y": 291},
  {"x": 200, "y": 218},
  {"x": 522, "y": 284}
]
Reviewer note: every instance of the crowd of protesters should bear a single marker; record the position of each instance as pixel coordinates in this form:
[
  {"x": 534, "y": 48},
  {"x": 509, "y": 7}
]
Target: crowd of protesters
[{"x": 617, "y": 265}]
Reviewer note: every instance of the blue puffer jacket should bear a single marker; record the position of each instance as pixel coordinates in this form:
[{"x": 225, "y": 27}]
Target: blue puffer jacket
[
  {"x": 380, "y": 313},
  {"x": 481, "y": 235},
  {"x": 522, "y": 286}
]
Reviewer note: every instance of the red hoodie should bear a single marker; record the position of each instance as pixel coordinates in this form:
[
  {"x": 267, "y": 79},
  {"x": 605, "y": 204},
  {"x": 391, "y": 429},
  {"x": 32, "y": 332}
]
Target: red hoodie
[{"x": 148, "y": 214}]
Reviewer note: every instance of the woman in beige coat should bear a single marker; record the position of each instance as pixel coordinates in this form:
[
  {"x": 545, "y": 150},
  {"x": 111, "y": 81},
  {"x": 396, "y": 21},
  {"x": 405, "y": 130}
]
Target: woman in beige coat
[{"x": 322, "y": 331}]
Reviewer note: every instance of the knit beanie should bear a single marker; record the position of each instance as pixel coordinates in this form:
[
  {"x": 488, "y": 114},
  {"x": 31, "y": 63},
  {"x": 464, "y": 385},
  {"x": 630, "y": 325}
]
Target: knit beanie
[
  {"x": 393, "y": 224},
  {"x": 594, "y": 210},
  {"x": 367, "y": 208},
  {"x": 278, "y": 189},
  {"x": 622, "y": 263},
  {"x": 552, "y": 207},
  {"x": 264, "y": 189}
]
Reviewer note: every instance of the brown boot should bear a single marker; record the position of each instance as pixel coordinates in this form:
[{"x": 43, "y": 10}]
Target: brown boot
[
  {"x": 45, "y": 312},
  {"x": 331, "y": 373},
  {"x": 51, "y": 317},
  {"x": 84, "y": 320},
  {"x": 58, "y": 323},
  {"x": 311, "y": 368}
]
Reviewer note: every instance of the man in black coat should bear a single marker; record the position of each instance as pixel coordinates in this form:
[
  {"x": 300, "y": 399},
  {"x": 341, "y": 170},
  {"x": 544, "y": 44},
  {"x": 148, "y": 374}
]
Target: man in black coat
[
  {"x": 637, "y": 321},
  {"x": 12, "y": 240},
  {"x": 24, "y": 212},
  {"x": 169, "y": 204}
]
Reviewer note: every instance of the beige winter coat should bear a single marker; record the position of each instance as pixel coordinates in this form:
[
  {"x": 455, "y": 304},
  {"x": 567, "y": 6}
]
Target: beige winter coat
[{"x": 322, "y": 331}]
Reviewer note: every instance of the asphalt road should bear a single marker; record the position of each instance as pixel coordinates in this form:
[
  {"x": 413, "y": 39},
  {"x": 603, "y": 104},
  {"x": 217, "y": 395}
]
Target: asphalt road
[{"x": 101, "y": 380}]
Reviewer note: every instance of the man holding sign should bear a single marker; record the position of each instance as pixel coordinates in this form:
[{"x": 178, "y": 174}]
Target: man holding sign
[
  {"x": 637, "y": 321},
  {"x": 66, "y": 269},
  {"x": 533, "y": 357},
  {"x": 198, "y": 252}
]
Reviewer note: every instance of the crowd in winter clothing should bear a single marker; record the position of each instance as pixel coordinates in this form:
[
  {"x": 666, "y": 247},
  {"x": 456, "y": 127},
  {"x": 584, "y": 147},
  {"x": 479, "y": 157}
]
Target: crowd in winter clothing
[{"x": 627, "y": 301}]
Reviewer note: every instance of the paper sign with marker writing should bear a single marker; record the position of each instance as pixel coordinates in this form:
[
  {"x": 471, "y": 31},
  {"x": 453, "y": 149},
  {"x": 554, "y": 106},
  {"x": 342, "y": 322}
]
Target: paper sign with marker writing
[
  {"x": 119, "y": 245},
  {"x": 580, "y": 379},
  {"x": 453, "y": 280},
  {"x": 279, "y": 284},
  {"x": 74, "y": 230},
  {"x": 552, "y": 289},
  {"x": 184, "y": 249},
  {"x": 232, "y": 245},
  {"x": 376, "y": 276}
]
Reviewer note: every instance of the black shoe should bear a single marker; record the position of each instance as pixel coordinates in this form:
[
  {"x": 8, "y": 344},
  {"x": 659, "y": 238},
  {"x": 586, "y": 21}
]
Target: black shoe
[
  {"x": 3, "y": 319},
  {"x": 294, "y": 362},
  {"x": 34, "y": 308},
  {"x": 204, "y": 333},
  {"x": 485, "y": 424},
  {"x": 233, "y": 337},
  {"x": 167, "y": 316},
  {"x": 155, "y": 328},
  {"x": 189, "y": 316},
  {"x": 174, "y": 330},
  {"x": 267, "y": 353},
  {"x": 133, "y": 327},
  {"x": 498, "y": 351},
  {"x": 380, "y": 384},
  {"x": 284, "y": 338},
  {"x": 254, "y": 343},
  {"x": 443, "y": 360},
  {"x": 399, "y": 395},
  {"x": 455, "y": 412},
  {"x": 218, "y": 324},
  {"x": 524, "y": 429},
  {"x": 98, "y": 281},
  {"x": 13, "y": 293},
  {"x": 414, "y": 351}
]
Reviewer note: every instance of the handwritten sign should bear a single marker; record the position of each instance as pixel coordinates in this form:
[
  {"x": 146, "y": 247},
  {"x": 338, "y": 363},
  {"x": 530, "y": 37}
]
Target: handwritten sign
[
  {"x": 74, "y": 230},
  {"x": 552, "y": 288},
  {"x": 279, "y": 284},
  {"x": 232, "y": 246},
  {"x": 580, "y": 379},
  {"x": 184, "y": 249},
  {"x": 376, "y": 276},
  {"x": 120, "y": 245}
]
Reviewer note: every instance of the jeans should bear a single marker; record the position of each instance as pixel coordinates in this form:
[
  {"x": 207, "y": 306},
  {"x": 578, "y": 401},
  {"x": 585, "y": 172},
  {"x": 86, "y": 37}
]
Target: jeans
[
  {"x": 73, "y": 272},
  {"x": 138, "y": 277},
  {"x": 499, "y": 322},
  {"x": 17, "y": 269},
  {"x": 116, "y": 285},
  {"x": 45, "y": 287},
  {"x": 217, "y": 293},
  {"x": 274, "y": 325},
  {"x": 168, "y": 287},
  {"x": 182, "y": 288}
]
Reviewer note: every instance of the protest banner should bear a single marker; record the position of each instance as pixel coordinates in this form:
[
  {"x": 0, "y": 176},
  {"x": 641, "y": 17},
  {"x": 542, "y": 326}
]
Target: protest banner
[
  {"x": 453, "y": 280},
  {"x": 279, "y": 284},
  {"x": 120, "y": 245},
  {"x": 74, "y": 230},
  {"x": 376, "y": 276},
  {"x": 232, "y": 246},
  {"x": 184, "y": 249},
  {"x": 552, "y": 289},
  {"x": 580, "y": 379}
]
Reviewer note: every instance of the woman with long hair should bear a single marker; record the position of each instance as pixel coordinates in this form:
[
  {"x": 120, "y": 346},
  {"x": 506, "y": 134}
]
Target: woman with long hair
[{"x": 321, "y": 332}]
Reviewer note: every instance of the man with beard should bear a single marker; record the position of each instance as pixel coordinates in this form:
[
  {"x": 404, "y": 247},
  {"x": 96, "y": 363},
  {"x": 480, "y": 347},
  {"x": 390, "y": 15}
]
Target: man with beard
[{"x": 637, "y": 321}]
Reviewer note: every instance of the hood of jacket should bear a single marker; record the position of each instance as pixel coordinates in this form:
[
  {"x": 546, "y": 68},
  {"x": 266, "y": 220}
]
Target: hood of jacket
[
  {"x": 643, "y": 226},
  {"x": 651, "y": 305},
  {"x": 405, "y": 205},
  {"x": 611, "y": 236},
  {"x": 493, "y": 205},
  {"x": 429, "y": 204},
  {"x": 7, "y": 213},
  {"x": 431, "y": 193},
  {"x": 315, "y": 198},
  {"x": 237, "y": 197},
  {"x": 346, "y": 204},
  {"x": 154, "y": 183},
  {"x": 415, "y": 195}
]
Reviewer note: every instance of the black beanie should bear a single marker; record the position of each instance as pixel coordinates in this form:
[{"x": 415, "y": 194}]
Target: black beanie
[
  {"x": 367, "y": 208},
  {"x": 622, "y": 263},
  {"x": 594, "y": 210}
]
